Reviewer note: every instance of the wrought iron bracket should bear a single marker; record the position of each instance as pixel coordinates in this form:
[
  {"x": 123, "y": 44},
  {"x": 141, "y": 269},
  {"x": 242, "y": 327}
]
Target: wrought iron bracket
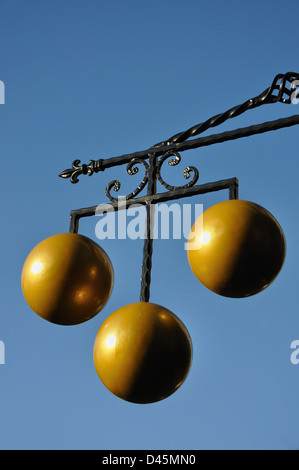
[
  {"x": 283, "y": 89},
  {"x": 150, "y": 201}
]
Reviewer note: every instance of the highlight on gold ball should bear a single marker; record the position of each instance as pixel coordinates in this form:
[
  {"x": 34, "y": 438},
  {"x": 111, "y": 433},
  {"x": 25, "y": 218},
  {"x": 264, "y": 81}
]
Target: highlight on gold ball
[
  {"x": 236, "y": 248},
  {"x": 67, "y": 279},
  {"x": 142, "y": 353}
]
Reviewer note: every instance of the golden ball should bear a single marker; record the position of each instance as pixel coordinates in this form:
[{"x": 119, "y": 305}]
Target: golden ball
[
  {"x": 236, "y": 248},
  {"x": 142, "y": 353},
  {"x": 67, "y": 279}
]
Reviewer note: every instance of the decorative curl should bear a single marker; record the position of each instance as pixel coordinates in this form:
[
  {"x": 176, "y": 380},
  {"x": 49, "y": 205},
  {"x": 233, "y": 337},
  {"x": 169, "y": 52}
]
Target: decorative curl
[
  {"x": 282, "y": 88},
  {"x": 174, "y": 162},
  {"x": 132, "y": 169}
]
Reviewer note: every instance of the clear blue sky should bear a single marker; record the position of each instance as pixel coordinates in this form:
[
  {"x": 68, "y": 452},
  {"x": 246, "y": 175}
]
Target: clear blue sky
[{"x": 86, "y": 79}]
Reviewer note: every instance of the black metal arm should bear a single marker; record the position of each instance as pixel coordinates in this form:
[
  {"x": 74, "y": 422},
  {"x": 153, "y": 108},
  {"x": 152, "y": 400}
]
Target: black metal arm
[{"x": 282, "y": 90}]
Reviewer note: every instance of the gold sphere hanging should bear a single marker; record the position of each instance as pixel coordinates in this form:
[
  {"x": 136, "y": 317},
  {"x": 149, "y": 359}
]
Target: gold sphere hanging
[
  {"x": 236, "y": 248},
  {"x": 142, "y": 353},
  {"x": 67, "y": 279}
]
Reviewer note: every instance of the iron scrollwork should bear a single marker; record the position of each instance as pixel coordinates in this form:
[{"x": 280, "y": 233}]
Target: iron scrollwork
[
  {"x": 132, "y": 169},
  {"x": 174, "y": 158},
  {"x": 174, "y": 162}
]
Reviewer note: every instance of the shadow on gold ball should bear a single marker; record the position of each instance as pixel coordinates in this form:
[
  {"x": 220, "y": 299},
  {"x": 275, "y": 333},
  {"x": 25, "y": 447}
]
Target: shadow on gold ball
[
  {"x": 142, "y": 353},
  {"x": 236, "y": 249},
  {"x": 67, "y": 279}
]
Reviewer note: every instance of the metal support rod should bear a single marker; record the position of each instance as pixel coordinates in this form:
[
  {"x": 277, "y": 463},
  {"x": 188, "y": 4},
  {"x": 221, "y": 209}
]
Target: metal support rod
[
  {"x": 101, "y": 165},
  {"x": 150, "y": 201},
  {"x": 234, "y": 190},
  {"x": 74, "y": 223},
  {"x": 149, "y": 242},
  {"x": 231, "y": 184},
  {"x": 282, "y": 90}
]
